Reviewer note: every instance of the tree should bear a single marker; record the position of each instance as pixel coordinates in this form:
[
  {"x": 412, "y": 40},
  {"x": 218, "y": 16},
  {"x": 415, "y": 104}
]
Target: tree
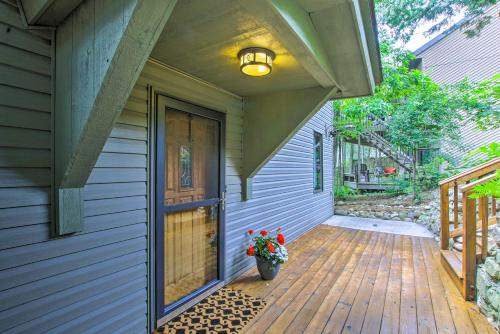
[
  {"x": 402, "y": 17},
  {"x": 418, "y": 112}
]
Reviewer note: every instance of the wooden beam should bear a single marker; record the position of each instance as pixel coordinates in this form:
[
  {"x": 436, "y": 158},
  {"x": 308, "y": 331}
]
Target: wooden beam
[
  {"x": 101, "y": 49},
  {"x": 363, "y": 44},
  {"x": 470, "y": 186},
  {"x": 469, "y": 248},
  {"x": 271, "y": 120},
  {"x": 289, "y": 22},
  {"x": 455, "y": 205}
]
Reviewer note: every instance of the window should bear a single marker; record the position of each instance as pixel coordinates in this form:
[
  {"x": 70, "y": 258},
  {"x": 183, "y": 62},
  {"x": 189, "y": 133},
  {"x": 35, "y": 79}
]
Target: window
[{"x": 318, "y": 161}]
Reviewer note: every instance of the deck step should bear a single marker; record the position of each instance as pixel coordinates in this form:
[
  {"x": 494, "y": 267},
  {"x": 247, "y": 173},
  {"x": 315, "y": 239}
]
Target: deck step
[{"x": 454, "y": 260}]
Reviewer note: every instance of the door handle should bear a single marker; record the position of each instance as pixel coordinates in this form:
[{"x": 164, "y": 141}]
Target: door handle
[{"x": 222, "y": 201}]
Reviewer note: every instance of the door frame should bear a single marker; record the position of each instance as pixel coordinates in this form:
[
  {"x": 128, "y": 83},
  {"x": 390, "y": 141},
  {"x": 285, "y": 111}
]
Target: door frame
[{"x": 163, "y": 314}]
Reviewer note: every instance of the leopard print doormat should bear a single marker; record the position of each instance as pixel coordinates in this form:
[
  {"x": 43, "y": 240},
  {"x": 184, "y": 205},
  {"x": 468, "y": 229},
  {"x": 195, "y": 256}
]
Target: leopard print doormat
[{"x": 225, "y": 311}]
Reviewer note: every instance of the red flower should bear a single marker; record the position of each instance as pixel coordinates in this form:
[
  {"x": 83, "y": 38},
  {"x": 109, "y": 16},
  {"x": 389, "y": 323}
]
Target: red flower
[
  {"x": 250, "y": 251},
  {"x": 250, "y": 232},
  {"x": 270, "y": 247},
  {"x": 281, "y": 239},
  {"x": 279, "y": 229},
  {"x": 263, "y": 233}
]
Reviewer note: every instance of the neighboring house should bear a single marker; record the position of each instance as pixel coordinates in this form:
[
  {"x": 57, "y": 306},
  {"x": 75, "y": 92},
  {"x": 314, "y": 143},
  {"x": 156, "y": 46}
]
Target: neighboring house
[
  {"x": 134, "y": 154},
  {"x": 451, "y": 56}
]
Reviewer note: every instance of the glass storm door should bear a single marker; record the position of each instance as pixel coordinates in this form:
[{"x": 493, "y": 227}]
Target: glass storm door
[{"x": 189, "y": 205}]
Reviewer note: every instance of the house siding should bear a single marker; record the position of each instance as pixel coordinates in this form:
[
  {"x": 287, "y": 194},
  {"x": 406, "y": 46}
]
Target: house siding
[
  {"x": 96, "y": 281},
  {"x": 455, "y": 57}
]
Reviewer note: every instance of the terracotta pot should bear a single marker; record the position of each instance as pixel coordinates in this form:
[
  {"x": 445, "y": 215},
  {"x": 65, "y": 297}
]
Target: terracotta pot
[{"x": 267, "y": 269}]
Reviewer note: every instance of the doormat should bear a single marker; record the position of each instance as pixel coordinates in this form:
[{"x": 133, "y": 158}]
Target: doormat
[{"x": 225, "y": 311}]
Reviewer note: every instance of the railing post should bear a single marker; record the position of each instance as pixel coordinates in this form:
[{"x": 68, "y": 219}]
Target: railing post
[
  {"x": 445, "y": 216},
  {"x": 493, "y": 206},
  {"x": 484, "y": 215},
  {"x": 455, "y": 204},
  {"x": 469, "y": 246}
]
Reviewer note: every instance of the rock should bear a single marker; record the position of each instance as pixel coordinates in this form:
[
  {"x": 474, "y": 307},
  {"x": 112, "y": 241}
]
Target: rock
[
  {"x": 486, "y": 309},
  {"x": 483, "y": 281},
  {"x": 492, "y": 268},
  {"x": 493, "y": 297}
]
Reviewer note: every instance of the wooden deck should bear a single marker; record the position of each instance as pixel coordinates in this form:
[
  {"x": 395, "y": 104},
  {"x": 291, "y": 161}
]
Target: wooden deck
[{"x": 350, "y": 281}]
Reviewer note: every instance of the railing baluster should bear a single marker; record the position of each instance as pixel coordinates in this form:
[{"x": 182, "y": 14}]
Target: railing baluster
[{"x": 445, "y": 216}]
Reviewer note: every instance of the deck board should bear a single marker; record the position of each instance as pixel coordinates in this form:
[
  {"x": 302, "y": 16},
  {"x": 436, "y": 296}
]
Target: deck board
[{"x": 342, "y": 280}]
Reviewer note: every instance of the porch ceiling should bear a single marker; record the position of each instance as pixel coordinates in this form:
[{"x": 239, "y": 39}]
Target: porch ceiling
[
  {"x": 207, "y": 36},
  {"x": 202, "y": 38}
]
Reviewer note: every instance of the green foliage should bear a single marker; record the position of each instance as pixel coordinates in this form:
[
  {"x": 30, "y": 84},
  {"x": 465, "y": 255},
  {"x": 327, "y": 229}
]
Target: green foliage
[
  {"x": 430, "y": 174},
  {"x": 343, "y": 192},
  {"x": 418, "y": 111},
  {"x": 481, "y": 101},
  {"x": 486, "y": 153},
  {"x": 402, "y": 17},
  {"x": 488, "y": 189},
  {"x": 491, "y": 188}
]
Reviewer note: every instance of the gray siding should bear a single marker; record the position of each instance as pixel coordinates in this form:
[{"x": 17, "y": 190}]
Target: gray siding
[
  {"x": 454, "y": 57},
  {"x": 283, "y": 194},
  {"x": 96, "y": 281}
]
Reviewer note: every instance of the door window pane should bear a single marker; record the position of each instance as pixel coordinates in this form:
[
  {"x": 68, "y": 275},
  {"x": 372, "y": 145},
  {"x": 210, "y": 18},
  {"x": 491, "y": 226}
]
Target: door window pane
[
  {"x": 318, "y": 161},
  {"x": 191, "y": 239},
  {"x": 186, "y": 166},
  {"x": 192, "y": 157}
]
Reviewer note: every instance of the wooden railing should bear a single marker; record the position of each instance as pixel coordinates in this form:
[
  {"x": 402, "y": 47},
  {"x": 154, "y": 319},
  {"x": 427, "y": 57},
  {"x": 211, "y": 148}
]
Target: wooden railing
[{"x": 462, "y": 267}]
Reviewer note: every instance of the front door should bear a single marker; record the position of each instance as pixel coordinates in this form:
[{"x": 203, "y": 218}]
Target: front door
[{"x": 189, "y": 202}]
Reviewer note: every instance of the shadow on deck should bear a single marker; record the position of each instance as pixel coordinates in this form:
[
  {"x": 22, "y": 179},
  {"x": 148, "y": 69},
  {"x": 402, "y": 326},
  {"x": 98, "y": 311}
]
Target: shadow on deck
[{"x": 354, "y": 281}]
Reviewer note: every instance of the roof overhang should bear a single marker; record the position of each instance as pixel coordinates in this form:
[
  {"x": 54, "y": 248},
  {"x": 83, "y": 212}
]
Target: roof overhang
[
  {"x": 47, "y": 12},
  {"x": 319, "y": 43},
  {"x": 335, "y": 40}
]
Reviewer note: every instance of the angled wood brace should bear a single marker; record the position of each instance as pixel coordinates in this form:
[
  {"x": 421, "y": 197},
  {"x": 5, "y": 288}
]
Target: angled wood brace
[
  {"x": 271, "y": 120},
  {"x": 101, "y": 49}
]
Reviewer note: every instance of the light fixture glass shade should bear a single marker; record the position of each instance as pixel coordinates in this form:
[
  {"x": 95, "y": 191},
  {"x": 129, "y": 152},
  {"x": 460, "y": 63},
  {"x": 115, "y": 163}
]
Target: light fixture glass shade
[{"x": 256, "y": 61}]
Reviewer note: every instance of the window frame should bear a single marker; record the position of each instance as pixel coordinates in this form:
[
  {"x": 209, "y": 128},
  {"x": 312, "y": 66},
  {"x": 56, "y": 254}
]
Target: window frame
[{"x": 318, "y": 135}]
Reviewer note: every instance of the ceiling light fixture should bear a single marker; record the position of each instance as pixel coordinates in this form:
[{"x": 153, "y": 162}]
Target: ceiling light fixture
[{"x": 255, "y": 61}]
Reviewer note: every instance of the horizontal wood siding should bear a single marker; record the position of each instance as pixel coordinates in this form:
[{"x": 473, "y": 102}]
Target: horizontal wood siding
[
  {"x": 454, "y": 56},
  {"x": 96, "y": 280},
  {"x": 283, "y": 194}
]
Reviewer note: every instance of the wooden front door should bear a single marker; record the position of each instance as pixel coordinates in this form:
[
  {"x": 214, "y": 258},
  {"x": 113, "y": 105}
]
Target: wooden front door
[{"x": 189, "y": 201}]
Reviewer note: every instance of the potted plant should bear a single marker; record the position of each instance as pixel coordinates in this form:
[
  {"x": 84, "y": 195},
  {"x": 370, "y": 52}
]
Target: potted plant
[{"x": 269, "y": 251}]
